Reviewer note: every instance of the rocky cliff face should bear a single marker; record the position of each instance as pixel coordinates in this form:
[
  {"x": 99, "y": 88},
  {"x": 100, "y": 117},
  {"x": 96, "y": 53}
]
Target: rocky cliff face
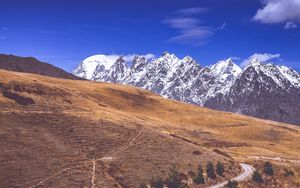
[{"x": 261, "y": 90}]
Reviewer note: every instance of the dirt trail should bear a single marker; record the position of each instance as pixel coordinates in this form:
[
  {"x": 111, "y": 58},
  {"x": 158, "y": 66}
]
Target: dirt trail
[
  {"x": 93, "y": 173},
  {"x": 51, "y": 177},
  {"x": 113, "y": 179},
  {"x": 274, "y": 159},
  {"x": 108, "y": 157},
  {"x": 83, "y": 163}
]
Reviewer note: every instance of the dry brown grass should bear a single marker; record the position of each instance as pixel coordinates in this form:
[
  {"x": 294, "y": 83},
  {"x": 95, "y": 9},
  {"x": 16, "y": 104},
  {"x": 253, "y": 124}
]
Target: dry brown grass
[{"x": 75, "y": 121}]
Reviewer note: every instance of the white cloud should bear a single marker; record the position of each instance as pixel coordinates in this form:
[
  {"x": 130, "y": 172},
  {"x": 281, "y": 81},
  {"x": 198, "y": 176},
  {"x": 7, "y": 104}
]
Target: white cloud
[
  {"x": 190, "y": 29},
  {"x": 182, "y": 23},
  {"x": 234, "y": 58},
  {"x": 266, "y": 57},
  {"x": 279, "y": 11},
  {"x": 290, "y": 25},
  {"x": 191, "y": 11},
  {"x": 149, "y": 56},
  {"x": 194, "y": 36},
  {"x": 221, "y": 27},
  {"x": 129, "y": 57}
]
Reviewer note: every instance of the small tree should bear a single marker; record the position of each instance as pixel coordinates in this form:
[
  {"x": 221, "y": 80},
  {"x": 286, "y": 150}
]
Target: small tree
[
  {"x": 199, "y": 179},
  {"x": 232, "y": 184},
  {"x": 143, "y": 185},
  {"x": 288, "y": 172},
  {"x": 220, "y": 168},
  {"x": 257, "y": 177},
  {"x": 210, "y": 170},
  {"x": 268, "y": 169},
  {"x": 173, "y": 181},
  {"x": 157, "y": 182}
]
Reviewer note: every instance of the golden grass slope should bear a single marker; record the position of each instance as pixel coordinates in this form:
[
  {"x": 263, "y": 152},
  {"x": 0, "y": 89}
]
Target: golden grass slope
[{"x": 71, "y": 123}]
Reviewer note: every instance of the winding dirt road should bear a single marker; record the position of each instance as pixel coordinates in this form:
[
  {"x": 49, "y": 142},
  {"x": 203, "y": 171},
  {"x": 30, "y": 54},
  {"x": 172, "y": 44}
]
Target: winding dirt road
[{"x": 247, "y": 173}]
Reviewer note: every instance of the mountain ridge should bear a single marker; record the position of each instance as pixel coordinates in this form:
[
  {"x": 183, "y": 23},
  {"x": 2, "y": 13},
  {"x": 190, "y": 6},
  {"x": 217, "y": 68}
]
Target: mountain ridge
[
  {"x": 32, "y": 65},
  {"x": 212, "y": 86}
]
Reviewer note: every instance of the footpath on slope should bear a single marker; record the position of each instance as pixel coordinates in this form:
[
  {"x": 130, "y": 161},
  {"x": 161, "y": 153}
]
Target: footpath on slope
[{"x": 107, "y": 157}]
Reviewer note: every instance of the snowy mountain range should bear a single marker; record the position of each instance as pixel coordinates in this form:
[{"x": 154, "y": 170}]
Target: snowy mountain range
[{"x": 262, "y": 90}]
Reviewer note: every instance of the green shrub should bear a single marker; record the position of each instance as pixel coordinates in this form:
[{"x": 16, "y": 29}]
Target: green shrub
[
  {"x": 257, "y": 177},
  {"x": 232, "y": 184},
  {"x": 210, "y": 170},
  {"x": 268, "y": 169},
  {"x": 220, "y": 168},
  {"x": 173, "y": 181},
  {"x": 157, "y": 182},
  {"x": 288, "y": 172},
  {"x": 143, "y": 185},
  {"x": 199, "y": 179}
]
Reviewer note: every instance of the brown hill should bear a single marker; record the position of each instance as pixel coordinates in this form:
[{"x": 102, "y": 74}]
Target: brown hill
[
  {"x": 71, "y": 133},
  {"x": 32, "y": 65}
]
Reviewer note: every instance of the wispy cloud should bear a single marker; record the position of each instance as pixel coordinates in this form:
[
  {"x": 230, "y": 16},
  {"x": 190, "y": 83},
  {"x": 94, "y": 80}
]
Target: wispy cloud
[
  {"x": 181, "y": 22},
  {"x": 190, "y": 29},
  {"x": 223, "y": 26},
  {"x": 3, "y": 33},
  {"x": 279, "y": 11},
  {"x": 290, "y": 25},
  {"x": 192, "y": 11},
  {"x": 129, "y": 57},
  {"x": 263, "y": 57}
]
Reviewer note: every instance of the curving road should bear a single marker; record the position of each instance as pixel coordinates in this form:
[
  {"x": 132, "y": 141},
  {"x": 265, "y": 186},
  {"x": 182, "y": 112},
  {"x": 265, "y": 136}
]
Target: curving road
[{"x": 247, "y": 173}]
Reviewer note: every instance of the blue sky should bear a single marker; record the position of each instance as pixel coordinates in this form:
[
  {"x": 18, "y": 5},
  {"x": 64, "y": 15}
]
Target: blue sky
[{"x": 64, "y": 32}]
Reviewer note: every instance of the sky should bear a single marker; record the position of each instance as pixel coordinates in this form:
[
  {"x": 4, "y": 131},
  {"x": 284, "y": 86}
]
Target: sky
[{"x": 65, "y": 32}]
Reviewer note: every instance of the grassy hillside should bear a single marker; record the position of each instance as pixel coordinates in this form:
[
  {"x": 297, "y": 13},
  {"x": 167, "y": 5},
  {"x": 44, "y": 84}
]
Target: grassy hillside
[{"x": 71, "y": 133}]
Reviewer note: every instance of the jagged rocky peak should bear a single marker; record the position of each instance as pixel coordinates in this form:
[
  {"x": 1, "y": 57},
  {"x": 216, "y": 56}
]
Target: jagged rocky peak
[
  {"x": 168, "y": 58},
  {"x": 100, "y": 62},
  {"x": 138, "y": 58},
  {"x": 227, "y": 64},
  {"x": 120, "y": 59},
  {"x": 255, "y": 62},
  {"x": 138, "y": 63},
  {"x": 291, "y": 75},
  {"x": 166, "y": 53},
  {"x": 189, "y": 60},
  {"x": 222, "y": 86},
  {"x": 282, "y": 76},
  {"x": 226, "y": 69}
]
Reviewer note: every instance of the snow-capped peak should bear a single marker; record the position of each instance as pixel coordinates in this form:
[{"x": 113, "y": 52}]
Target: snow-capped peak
[
  {"x": 224, "y": 73},
  {"x": 225, "y": 68},
  {"x": 169, "y": 57},
  {"x": 88, "y": 66},
  {"x": 223, "y": 86},
  {"x": 254, "y": 62},
  {"x": 292, "y": 76},
  {"x": 188, "y": 59},
  {"x": 166, "y": 53}
]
